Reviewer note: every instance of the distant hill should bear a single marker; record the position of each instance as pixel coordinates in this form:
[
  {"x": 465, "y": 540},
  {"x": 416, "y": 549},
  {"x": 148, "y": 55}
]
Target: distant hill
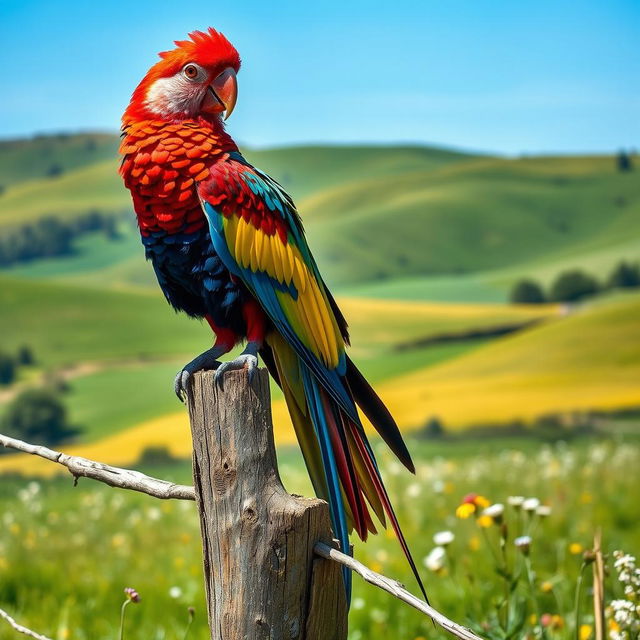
[{"x": 374, "y": 214}]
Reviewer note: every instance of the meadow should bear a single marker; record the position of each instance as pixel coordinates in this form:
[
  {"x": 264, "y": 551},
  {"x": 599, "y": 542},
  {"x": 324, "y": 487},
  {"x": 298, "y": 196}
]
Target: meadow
[
  {"x": 422, "y": 247},
  {"x": 67, "y": 553}
]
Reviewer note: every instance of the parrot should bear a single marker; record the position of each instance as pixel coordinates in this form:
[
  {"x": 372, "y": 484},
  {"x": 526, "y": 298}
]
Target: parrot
[{"x": 228, "y": 246}]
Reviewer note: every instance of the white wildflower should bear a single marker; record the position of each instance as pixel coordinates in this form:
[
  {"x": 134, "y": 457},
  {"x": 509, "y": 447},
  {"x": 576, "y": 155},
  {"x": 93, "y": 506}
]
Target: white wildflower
[
  {"x": 358, "y": 603},
  {"x": 543, "y": 511},
  {"x": 530, "y": 504},
  {"x": 175, "y": 592},
  {"x": 494, "y": 511},
  {"x": 435, "y": 560},
  {"x": 153, "y": 513},
  {"x": 523, "y": 543},
  {"x": 443, "y": 538},
  {"x": 414, "y": 490},
  {"x": 515, "y": 501}
]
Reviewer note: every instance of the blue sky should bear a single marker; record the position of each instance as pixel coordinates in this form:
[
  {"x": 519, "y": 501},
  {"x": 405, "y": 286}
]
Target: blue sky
[{"x": 508, "y": 76}]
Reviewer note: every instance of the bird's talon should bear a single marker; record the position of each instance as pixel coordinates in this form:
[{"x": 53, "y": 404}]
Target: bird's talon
[{"x": 247, "y": 361}]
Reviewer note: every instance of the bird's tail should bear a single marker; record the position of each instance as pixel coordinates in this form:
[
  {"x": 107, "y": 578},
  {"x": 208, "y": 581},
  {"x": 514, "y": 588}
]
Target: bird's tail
[{"x": 339, "y": 458}]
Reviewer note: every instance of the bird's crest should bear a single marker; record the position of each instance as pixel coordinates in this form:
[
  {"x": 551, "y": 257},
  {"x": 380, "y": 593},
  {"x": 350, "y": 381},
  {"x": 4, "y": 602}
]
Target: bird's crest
[{"x": 207, "y": 48}]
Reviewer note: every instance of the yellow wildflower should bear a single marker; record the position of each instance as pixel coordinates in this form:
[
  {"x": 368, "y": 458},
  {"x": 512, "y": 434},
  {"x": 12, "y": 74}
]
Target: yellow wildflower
[
  {"x": 465, "y": 510},
  {"x": 546, "y": 587},
  {"x": 614, "y": 626},
  {"x": 474, "y": 543},
  {"x": 485, "y": 521},
  {"x": 533, "y": 619},
  {"x": 377, "y": 567},
  {"x": 585, "y": 631},
  {"x": 471, "y": 504},
  {"x": 118, "y": 540},
  {"x": 575, "y": 548},
  {"x": 586, "y": 497}
]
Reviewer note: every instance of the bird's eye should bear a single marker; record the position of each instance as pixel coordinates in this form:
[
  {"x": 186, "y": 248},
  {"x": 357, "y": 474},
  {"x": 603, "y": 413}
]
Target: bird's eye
[{"x": 190, "y": 71}]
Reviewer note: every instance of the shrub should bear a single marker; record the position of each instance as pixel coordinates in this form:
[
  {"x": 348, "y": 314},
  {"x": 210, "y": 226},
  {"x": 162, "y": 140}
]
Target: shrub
[
  {"x": 39, "y": 416},
  {"x": 7, "y": 368},
  {"x": 571, "y": 286},
  {"x": 25, "y": 355},
  {"x": 156, "y": 455},
  {"x": 527, "y": 292},
  {"x": 625, "y": 276},
  {"x": 623, "y": 161}
]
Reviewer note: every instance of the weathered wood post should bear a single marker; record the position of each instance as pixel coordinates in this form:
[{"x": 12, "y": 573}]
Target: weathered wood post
[{"x": 262, "y": 579}]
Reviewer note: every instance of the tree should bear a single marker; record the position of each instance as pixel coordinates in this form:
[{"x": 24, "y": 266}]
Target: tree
[
  {"x": 7, "y": 368},
  {"x": 527, "y": 292},
  {"x": 571, "y": 286},
  {"x": 625, "y": 276},
  {"x": 623, "y": 161},
  {"x": 39, "y": 415},
  {"x": 25, "y": 355},
  {"x": 55, "y": 170},
  {"x": 433, "y": 428}
]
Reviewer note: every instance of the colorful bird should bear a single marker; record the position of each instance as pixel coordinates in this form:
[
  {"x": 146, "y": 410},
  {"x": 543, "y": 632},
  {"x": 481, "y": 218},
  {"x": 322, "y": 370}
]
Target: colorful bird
[{"x": 227, "y": 245}]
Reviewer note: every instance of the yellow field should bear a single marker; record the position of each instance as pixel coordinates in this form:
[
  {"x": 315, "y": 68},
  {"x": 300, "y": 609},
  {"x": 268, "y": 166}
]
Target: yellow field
[
  {"x": 375, "y": 323},
  {"x": 589, "y": 360}
]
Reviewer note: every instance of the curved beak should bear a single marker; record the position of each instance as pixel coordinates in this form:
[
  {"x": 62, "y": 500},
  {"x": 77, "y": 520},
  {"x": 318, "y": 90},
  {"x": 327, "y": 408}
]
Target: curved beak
[{"x": 225, "y": 89}]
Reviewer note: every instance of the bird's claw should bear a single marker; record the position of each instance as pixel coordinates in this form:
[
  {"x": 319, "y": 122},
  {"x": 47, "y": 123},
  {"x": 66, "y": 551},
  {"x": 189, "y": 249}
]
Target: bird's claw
[
  {"x": 205, "y": 361},
  {"x": 248, "y": 361}
]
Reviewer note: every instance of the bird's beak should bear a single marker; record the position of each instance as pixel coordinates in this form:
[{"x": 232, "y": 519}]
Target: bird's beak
[{"x": 222, "y": 93}]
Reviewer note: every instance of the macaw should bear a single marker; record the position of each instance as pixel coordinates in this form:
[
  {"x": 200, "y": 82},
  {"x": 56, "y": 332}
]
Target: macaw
[{"x": 227, "y": 245}]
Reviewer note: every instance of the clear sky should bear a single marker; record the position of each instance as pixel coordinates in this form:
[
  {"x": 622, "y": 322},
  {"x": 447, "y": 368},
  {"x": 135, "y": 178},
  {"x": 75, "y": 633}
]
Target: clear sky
[{"x": 510, "y": 76}]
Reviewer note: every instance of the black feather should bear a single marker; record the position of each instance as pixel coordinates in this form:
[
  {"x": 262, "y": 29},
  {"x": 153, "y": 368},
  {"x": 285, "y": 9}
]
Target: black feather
[{"x": 378, "y": 414}]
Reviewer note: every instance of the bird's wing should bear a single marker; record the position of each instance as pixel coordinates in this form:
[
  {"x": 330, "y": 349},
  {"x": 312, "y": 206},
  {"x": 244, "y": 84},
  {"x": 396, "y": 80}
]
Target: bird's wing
[{"x": 258, "y": 234}]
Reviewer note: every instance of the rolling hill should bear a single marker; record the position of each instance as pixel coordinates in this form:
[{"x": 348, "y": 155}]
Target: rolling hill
[{"x": 421, "y": 222}]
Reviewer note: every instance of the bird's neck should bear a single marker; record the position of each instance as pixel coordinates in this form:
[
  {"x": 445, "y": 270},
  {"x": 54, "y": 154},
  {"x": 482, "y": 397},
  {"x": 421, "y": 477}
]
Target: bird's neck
[{"x": 211, "y": 127}]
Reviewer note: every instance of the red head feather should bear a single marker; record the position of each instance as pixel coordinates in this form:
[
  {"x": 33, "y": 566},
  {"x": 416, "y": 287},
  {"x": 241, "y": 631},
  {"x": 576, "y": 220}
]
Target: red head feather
[{"x": 209, "y": 49}]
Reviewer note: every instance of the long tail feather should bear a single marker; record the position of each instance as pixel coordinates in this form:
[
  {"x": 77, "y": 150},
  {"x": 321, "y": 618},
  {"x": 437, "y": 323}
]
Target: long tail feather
[
  {"x": 370, "y": 461},
  {"x": 337, "y": 453}
]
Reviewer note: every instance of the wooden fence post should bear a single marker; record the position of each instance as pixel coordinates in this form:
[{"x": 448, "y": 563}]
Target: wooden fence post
[{"x": 262, "y": 579}]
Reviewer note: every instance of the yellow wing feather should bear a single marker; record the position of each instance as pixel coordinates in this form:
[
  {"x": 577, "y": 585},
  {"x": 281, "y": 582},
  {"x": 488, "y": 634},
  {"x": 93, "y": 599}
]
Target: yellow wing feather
[{"x": 310, "y": 314}]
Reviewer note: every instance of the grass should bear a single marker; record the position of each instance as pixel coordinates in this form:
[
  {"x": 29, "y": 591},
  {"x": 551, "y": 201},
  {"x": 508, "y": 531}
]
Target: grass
[
  {"x": 66, "y": 324},
  {"x": 112, "y": 400},
  {"x": 105, "y": 541}
]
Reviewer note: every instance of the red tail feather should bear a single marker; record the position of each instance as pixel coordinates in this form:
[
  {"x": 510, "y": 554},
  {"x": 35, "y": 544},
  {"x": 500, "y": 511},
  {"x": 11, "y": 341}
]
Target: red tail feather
[{"x": 384, "y": 498}]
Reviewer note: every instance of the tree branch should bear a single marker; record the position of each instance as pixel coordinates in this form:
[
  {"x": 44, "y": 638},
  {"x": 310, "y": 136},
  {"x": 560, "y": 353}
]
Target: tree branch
[
  {"x": 395, "y": 589},
  {"x": 113, "y": 476},
  {"x": 20, "y": 629},
  {"x": 135, "y": 481}
]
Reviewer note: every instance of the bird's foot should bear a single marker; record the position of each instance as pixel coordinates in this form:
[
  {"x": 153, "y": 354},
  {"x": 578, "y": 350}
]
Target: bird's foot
[
  {"x": 206, "y": 361},
  {"x": 248, "y": 360}
]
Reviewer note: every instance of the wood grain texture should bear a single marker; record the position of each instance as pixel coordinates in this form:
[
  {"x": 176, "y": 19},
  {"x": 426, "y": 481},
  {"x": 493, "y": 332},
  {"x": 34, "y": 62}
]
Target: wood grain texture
[{"x": 262, "y": 581}]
